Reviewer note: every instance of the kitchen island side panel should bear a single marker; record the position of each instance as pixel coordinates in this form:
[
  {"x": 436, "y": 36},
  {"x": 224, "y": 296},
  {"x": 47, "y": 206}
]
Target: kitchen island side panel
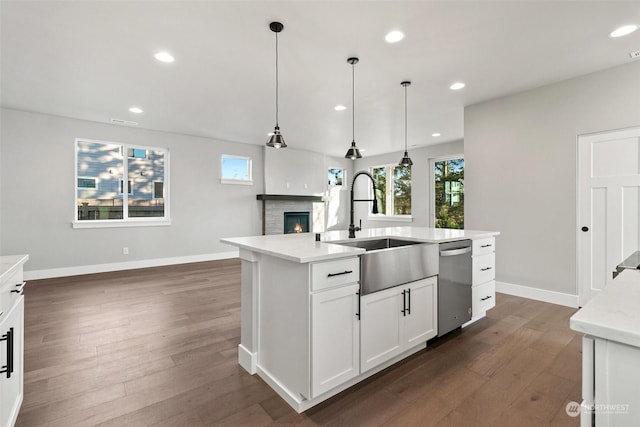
[{"x": 283, "y": 324}]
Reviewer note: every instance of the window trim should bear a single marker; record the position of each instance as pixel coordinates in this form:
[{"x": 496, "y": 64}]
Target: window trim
[
  {"x": 236, "y": 181},
  {"x": 386, "y": 217},
  {"x": 126, "y": 221}
]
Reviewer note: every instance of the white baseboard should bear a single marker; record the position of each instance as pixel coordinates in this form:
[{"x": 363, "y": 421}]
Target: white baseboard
[
  {"x": 544, "y": 295},
  {"x": 130, "y": 265}
]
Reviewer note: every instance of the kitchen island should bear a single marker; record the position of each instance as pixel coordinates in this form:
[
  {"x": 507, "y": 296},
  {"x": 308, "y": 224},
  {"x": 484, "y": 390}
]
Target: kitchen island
[
  {"x": 610, "y": 353},
  {"x": 304, "y": 320}
]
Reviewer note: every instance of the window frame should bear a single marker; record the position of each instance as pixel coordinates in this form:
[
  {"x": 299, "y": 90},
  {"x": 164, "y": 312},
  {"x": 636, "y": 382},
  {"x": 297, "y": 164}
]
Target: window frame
[
  {"x": 95, "y": 180},
  {"x": 126, "y": 221},
  {"x": 389, "y": 167},
  {"x": 432, "y": 183},
  {"x": 236, "y": 181}
]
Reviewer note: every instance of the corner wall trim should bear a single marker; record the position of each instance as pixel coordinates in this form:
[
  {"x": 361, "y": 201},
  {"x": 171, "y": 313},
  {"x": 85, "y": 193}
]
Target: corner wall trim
[
  {"x": 543, "y": 295},
  {"x": 130, "y": 265}
]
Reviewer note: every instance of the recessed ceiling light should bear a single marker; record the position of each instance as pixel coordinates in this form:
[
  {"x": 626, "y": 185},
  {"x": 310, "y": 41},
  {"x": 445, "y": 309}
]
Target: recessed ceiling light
[
  {"x": 457, "y": 86},
  {"x": 164, "y": 57},
  {"x": 339, "y": 108},
  {"x": 623, "y": 31},
  {"x": 435, "y": 134},
  {"x": 136, "y": 110},
  {"x": 394, "y": 36}
]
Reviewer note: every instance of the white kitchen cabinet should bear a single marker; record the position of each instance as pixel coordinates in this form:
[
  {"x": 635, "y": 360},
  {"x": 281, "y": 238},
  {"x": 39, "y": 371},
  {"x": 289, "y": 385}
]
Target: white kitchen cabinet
[
  {"x": 397, "y": 319},
  {"x": 483, "y": 275},
  {"x": 11, "y": 339},
  {"x": 335, "y": 334},
  {"x": 610, "y": 378}
]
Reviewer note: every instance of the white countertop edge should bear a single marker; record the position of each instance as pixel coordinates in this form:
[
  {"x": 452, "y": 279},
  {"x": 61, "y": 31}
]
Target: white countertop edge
[
  {"x": 10, "y": 263},
  {"x": 613, "y": 314}
]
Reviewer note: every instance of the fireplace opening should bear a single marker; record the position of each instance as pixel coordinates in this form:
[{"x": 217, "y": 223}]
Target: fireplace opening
[{"x": 296, "y": 222}]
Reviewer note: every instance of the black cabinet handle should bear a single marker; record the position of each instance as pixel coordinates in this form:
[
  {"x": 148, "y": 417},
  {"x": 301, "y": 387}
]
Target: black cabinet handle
[
  {"x": 486, "y": 246},
  {"x": 486, "y": 298},
  {"x": 20, "y": 289},
  {"x": 485, "y": 269},
  {"x": 339, "y": 274},
  {"x": 585, "y": 229},
  {"x": 8, "y": 368},
  {"x": 404, "y": 303},
  {"x": 358, "y": 312},
  {"x": 409, "y": 298}
]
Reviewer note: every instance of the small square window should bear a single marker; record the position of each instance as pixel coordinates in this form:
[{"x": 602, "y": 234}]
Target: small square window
[
  {"x": 336, "y": 177},
  {"x": 236, "y": 170},
  {"x": 158, "y": 190},
  {"x": 137, "y": 153}
]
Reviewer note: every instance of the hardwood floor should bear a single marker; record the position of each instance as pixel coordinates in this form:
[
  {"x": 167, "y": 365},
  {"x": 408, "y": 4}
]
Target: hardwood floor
[{"x": 158, "y": 347}]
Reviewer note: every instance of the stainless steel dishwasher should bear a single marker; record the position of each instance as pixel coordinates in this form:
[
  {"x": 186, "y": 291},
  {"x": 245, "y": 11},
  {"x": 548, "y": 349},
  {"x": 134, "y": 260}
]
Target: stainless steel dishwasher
[{"x": 454, "y": 285}]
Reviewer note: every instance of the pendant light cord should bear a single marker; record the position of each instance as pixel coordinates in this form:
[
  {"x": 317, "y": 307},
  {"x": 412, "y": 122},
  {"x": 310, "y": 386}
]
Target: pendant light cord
[
  {"x": 353, "y": 102},
  {"x": 277, "y": 80},
  {"x": 405, "y": 118}
]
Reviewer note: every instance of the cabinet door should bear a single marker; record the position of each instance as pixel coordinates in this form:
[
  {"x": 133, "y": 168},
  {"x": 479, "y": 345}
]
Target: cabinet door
[
  {"x": 380, "y": 337},
  {"x": 11, "y": 388},
  {"x": 334, "y": 338},
  {"x": 421, "y": 320}
]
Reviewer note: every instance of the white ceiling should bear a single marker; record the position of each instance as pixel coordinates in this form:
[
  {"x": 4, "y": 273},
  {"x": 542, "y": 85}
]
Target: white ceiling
[{"x": 94, "y": 59}]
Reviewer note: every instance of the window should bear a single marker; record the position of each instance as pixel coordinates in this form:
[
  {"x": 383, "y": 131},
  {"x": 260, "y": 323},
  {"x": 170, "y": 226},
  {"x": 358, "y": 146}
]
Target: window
[
  {"x": 448, "y": 192},
  {"x": 146, "y": 170},
  {"x": 393, "y": 191},
  {"x": 84, "y": 182},
  {"x": 336, "y": 177},
  {"x": 158, "y": 190},
  {"x": 236, "y": 170},
  {"x": 128, "y": 187}
]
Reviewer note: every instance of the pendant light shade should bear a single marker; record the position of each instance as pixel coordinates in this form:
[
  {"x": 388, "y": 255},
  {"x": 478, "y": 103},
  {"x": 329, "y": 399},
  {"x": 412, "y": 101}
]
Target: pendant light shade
[
  {"x": 276, "y": 140},
  {"x": 353, "y": 152},
  {"x": 406, "y": 160}
]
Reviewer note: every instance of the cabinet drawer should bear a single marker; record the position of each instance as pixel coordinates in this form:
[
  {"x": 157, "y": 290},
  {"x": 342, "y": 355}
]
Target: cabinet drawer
[
  {"x": 334, "y": 273},
  {"x": 484, "y": 268},
  {"x": 483, "y": 246},
  {"x": 483, "y": 297},
  {"x": 7, "y": 298}
]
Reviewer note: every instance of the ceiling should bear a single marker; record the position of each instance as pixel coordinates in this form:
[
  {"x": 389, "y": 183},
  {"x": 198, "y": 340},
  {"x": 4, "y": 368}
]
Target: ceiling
[{"x": 94, "y": 59}]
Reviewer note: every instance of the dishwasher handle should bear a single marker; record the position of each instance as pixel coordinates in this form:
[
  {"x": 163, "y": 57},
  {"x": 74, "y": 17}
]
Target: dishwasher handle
[{"x": 454, "y": 252}]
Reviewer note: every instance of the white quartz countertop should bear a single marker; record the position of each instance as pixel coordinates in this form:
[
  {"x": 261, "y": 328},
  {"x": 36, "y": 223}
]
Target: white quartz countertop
[
  {"x": 613, "y": 314},
  {"x": 303, "y": 248},
  {"x": 10, "y": 263}
]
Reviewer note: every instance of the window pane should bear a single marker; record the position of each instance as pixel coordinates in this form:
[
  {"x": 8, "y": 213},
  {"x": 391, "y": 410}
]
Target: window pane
[
  {"x": 336, "y": 176},
  {"x": 402, "y": 190},
  {"x": 449, "y": 193},
  {"x": 103, "y": 161},
  {"x": 380, "y": 178},
  {"x": 144, "y": 172},
  {"x": 236, "y": 168},
  {"x": 138, "y": 153}
]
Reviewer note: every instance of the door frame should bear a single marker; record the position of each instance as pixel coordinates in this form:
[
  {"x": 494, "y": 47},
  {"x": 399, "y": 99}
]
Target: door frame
[
  {"x": 583, "y": 142},
  {"x": 432, "y": 184}
]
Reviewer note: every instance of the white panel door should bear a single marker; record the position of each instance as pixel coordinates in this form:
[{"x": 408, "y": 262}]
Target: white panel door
[
  {"x": 421, "y": 321},
  {"x": 380, "y": 334},
  {"x": 608, "y": 197}
]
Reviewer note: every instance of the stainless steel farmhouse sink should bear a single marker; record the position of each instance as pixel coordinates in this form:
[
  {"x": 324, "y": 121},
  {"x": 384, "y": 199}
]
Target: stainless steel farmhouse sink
[{"x": 391, "y": 262}]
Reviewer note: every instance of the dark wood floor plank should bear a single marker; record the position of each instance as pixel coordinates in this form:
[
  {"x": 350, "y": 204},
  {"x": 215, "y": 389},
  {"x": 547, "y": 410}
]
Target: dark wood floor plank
[{"x": 158, "y": 347}]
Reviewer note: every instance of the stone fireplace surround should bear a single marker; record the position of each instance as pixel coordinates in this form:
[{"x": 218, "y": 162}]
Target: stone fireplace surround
[{"x": 275, "y": 205}]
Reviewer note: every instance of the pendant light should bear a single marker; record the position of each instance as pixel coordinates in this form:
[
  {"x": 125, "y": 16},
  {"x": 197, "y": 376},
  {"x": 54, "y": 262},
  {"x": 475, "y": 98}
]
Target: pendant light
[
  {"x": 353, "y": 152},
  {"x": 276, "y": 140},
  {"x": 406, "y": 160}
]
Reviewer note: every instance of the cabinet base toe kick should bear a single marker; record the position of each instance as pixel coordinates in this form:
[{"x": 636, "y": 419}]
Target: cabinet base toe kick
[{"x": 300, "y": 403}]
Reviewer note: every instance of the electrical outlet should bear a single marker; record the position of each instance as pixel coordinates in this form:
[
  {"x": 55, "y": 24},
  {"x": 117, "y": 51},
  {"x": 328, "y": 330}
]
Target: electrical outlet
[
  {"x": 634, "y": 55},
  {"x": 125, "y": 251}
]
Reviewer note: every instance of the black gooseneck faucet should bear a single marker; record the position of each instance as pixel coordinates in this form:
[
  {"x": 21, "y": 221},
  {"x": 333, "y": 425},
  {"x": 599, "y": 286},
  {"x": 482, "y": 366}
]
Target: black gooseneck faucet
[{"x": 352, "y": 227}]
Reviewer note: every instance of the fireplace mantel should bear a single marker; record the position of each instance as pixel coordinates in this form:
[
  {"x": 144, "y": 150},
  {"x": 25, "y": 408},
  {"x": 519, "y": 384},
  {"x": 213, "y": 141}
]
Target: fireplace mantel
[{"x": 289, "y": 197}]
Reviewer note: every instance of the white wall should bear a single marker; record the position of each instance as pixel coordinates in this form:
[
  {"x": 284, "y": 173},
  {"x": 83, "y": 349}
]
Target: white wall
[
  {"x": 37, "y": 197},
  {"x": 420, "y": 186},
  {"x": 520, "y": 170}
]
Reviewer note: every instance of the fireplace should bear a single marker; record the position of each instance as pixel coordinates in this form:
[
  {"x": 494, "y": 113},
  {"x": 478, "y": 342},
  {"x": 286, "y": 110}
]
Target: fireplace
[{"x": 296, "y": 222}]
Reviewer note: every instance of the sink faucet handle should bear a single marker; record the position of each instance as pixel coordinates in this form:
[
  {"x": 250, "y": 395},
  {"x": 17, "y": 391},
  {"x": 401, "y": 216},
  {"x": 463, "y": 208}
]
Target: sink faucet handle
[{"x": 360, "y": 226}]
